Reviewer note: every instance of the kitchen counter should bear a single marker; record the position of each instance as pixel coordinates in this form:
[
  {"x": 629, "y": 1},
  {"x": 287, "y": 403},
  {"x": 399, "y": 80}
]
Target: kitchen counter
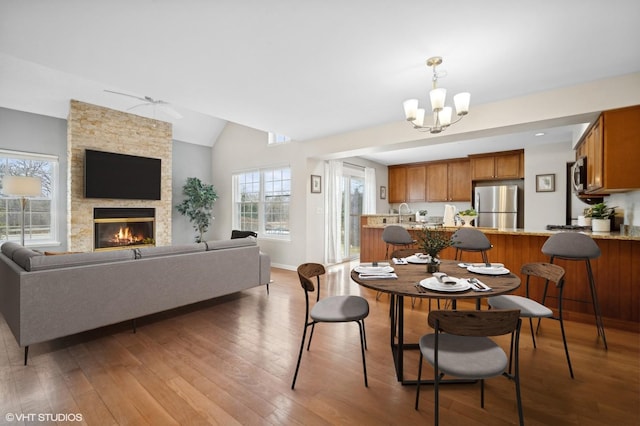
[
  {"x": 416, "y": 226},
  {"x": 376, "y": 222}
]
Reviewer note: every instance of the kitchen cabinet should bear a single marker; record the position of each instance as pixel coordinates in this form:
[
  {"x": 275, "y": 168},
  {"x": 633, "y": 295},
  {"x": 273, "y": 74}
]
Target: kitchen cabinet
[
  {"x": 498, "y": 165},
  {"x": 449, "y": 181},
  {"x": 397, "y": 184},
  {"x": 416, "y": 183},
  {"x": 611, "y": 149},
  {"x": 407, "y": 183}
]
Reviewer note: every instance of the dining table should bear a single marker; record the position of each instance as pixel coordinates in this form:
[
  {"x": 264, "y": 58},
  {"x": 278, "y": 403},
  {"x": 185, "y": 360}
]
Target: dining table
[{"x": 407, "y": 284}]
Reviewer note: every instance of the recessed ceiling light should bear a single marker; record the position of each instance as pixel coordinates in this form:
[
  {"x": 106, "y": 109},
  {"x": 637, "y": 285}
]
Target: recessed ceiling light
[{"x": 539, "y": 134}]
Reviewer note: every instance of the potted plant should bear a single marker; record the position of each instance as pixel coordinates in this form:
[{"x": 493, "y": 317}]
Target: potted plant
[
  {"x": 601, "y": 215},
  {"x": 432, "y": 242},
  {"x": 198, "y": 206},
  {"x": 468, "y": 216}
]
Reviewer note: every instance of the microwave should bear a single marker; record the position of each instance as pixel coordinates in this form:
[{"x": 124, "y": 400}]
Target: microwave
[{"x": 579, "y": 175}]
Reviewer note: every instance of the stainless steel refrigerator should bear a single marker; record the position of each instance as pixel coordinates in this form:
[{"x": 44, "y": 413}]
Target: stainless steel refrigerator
[{"x": 497, "y": 206}]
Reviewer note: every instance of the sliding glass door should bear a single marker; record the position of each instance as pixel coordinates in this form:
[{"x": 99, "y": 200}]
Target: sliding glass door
[{"x": 352, "y": 198}]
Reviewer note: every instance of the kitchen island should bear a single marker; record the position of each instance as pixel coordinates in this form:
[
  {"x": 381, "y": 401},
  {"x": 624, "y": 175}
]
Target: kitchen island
[{"x": 616, "y": 271}]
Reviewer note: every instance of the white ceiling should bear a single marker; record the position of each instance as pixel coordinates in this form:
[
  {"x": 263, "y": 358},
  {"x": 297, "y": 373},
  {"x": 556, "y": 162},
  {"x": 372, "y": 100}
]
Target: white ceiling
[{"x": 304, "y": 69}]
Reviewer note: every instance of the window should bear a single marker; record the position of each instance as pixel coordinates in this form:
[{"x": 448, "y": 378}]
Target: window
[
  {"x": 275, "y": 138},
  {"x": 40, "y": 220},
  {"x": 261, "y": 201}
]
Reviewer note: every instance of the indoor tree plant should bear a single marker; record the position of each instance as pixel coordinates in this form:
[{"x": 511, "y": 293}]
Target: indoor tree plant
[
  {"x": 198, "y": 205},
  {"x": 601, "y": 215},
  {"x": 432, "y": 242}
]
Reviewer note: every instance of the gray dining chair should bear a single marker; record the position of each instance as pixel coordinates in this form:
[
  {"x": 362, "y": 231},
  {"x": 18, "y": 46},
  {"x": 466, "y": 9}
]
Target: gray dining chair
[
  {"x": 530, "y": 308},
  {"x": 331, "y": 309},
  {"x": 460, "y": 346},
  {"x": 396, "y": 236},
  {"x": 575, "y": 246},
  {"x": 471, "y": 240}
]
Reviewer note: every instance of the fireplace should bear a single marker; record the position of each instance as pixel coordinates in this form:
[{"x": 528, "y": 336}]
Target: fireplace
[{"x": 119, "y": 228}]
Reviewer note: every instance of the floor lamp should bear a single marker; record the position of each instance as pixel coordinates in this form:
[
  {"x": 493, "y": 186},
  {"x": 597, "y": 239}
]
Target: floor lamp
[{"x": 23, "y": 187}]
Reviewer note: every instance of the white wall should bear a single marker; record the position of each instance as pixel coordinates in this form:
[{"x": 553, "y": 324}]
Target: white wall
[{"x": 546, "y": 208}]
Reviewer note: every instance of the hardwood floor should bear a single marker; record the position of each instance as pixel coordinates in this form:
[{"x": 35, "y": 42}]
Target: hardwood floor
[{"x": 231, "y": 360}]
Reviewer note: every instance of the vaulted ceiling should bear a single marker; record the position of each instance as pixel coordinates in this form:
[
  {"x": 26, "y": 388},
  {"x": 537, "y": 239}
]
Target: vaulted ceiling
[{"x": 303, "y": 69}]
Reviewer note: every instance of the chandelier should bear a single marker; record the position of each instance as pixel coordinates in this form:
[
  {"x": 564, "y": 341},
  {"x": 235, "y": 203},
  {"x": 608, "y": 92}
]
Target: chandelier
[{"x": 441, "y": 113}]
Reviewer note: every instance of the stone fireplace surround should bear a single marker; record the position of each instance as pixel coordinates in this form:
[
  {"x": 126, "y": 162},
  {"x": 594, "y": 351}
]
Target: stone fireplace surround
[{"x": 94, "y": 127}]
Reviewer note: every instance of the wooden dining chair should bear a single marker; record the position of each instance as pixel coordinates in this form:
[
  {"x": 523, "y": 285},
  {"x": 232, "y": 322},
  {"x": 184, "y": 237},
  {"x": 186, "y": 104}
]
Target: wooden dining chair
[
  {"x": 530, "y": 308},
  {"x": 331, "y": 309},
  {"x": 460, "y": 346}
]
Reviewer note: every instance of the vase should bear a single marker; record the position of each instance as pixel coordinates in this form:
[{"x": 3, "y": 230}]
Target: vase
[
  {"x": 600, "y": 225},
  {"x": 433, "y": 267},
  {"x": 467, "y": 220}
]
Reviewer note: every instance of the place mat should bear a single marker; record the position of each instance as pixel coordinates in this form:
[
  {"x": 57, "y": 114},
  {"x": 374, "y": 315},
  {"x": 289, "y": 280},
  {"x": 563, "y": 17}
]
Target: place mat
[
  {"x": 493, "y": 265},
  {"x": 380, "y": 276},
  {"x": 362, "y": 269},
  {"x": 415, "y": 259},
  {"x": 477, "y": 285}
]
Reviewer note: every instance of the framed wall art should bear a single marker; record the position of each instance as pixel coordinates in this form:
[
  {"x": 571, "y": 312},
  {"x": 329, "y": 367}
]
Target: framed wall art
[
  {"x": 316, "y": 184},
  {"x": 383, "y": 192},
  {"x": 546, "y": 183}
]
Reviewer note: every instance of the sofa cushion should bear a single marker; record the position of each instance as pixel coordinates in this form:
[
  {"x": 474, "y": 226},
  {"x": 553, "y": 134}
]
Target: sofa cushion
[
  {"x": 147, "y": 252},
  {"x": 23, "y": 256},
  {"x": 40, "y": 263},
  {"x": 9, "y": 248},
  {"x": 225, "y": 244}
]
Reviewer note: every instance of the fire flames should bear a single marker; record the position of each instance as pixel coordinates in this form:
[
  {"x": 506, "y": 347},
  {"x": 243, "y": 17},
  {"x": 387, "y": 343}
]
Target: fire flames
[{"x": 125, "y": 236}]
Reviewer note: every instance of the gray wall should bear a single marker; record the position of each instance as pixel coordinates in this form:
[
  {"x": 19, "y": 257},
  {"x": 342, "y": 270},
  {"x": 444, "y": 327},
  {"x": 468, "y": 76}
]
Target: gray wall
[
  {"x": 21, "y": 131},
  {"x": 189, "y": 160}
]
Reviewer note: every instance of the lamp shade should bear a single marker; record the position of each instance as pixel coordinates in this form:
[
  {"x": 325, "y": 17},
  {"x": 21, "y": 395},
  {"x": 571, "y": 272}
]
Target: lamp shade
[
  {"x": 22, "y": 186},
  {"x": 461, "y": 101},
  {"x": 410, "y": 108},
  {"x": 437, "y": 98}
]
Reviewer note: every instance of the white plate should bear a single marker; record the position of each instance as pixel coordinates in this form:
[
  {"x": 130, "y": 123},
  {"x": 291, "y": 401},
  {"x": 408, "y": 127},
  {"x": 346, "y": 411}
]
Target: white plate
[
  {"x": 373, "y": 269},
  {"x": 488, "y": 271},
  {"x": 432, "y": 283},
  {"x": 493, "y": 265},
  {"x": 415, "y": 259}
]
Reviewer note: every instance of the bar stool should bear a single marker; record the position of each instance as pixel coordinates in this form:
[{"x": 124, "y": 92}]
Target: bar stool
[
  {"x": 396, "y": 236},
  {"x": 470, "y": 239},
  {"x": 575, "y": 246}
]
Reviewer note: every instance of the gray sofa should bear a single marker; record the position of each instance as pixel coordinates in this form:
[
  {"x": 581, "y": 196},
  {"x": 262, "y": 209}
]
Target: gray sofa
[{"x": 45, "y": 297}]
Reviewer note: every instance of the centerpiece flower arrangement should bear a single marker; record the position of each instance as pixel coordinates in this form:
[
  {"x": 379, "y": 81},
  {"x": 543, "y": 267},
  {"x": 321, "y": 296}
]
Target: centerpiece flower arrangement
[{"x": 432, "y": 242}]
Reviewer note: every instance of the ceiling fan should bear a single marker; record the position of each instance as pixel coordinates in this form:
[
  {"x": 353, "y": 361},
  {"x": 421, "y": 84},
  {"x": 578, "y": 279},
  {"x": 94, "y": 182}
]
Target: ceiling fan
[{"x": 149, "y": 101}]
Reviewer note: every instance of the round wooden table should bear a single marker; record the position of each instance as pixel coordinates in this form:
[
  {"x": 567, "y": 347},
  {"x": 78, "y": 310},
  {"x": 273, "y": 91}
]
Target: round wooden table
[{"x": 405, "y": 285}]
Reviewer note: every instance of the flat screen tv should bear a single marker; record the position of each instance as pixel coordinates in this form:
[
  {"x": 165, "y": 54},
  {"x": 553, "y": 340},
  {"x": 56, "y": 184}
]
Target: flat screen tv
[{"x": 111, "y": 175}]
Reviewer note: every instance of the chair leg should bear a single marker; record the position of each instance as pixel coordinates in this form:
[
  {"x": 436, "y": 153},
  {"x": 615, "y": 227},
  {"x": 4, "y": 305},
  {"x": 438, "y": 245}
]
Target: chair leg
[
  {"x": 564, "y": 337},
  {"x": 362, "y": 346},
  {"x": 481, "y": 393},
  {"x": 26, "y": 354},
  {"x": 533, "y": 337},
  {"x": 596, "y": 304},
  {"x": 313, "y": 327},
  {"x": 418, "y": 382},
  {"x": 295, "y": 375},
  {"x": 516, "y": 378},
  {"x": 364, "y": 333}
]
